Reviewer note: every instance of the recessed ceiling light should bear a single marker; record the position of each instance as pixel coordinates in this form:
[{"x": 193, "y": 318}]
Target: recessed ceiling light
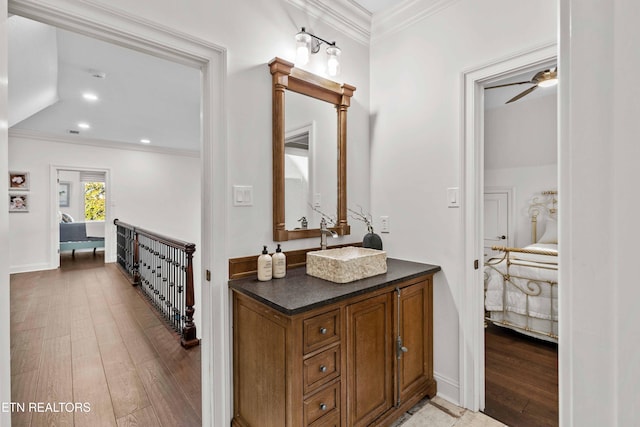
[
  {"x": 90, "y": 96},
  {"x": 145, "y": 141},
  {"x": 83, "y": 125}
]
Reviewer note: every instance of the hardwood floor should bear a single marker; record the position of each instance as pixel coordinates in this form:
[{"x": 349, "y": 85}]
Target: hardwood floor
[
  {"x": 521, "y": 377},
  {"x": 82, "y": 334}
]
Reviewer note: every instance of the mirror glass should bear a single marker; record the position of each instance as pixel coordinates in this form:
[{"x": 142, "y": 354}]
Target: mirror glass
[{"x": 310, "y": 160}]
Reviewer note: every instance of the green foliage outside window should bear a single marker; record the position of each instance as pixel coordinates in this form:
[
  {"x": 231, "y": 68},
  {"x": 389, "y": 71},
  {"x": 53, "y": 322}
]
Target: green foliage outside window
[{"x": 94, "y": 201}]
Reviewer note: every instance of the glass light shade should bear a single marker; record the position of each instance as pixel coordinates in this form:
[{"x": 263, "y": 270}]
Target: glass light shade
[
  {"x": 333, "y": 60},
  {"x": 548, "y": 83},
  {"x": 303, "y": 44}
]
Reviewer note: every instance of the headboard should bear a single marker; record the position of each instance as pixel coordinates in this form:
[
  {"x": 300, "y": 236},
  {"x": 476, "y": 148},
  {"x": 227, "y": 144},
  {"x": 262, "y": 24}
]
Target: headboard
[{"x": 544, "y": 205}]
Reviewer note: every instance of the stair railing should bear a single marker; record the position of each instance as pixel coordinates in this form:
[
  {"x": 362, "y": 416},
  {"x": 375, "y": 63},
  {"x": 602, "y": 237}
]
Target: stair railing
[{"x": 162, "y": 267}]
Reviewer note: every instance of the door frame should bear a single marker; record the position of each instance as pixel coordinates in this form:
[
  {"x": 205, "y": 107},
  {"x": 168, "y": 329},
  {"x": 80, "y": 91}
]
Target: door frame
[
  {"x": 109, "y": 238},
  {"x": 121, "y": 28},
  {"x": 471, "y": 341}
]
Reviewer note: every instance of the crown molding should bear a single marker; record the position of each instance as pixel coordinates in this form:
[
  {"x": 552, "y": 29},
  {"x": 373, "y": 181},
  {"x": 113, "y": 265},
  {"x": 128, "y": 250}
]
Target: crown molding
[
  {"x": 403, "y": 15},
  {"x": 102, "y": 143},
  {"x": 347, "y": 16}
]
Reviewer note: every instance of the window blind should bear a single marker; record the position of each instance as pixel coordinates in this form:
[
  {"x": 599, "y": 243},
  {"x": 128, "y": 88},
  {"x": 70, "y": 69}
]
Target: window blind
[{"x": 92, "y": 176}]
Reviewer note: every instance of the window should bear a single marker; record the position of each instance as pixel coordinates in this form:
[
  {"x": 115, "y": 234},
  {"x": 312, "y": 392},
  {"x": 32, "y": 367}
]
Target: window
[{"x": 94, "y": 201}]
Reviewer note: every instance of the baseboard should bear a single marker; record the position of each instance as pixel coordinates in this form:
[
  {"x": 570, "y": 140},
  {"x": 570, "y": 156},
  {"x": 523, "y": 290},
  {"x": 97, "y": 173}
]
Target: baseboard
[
  {"x": 28, "y": 268},
  {"x": 448, "y": 389}
]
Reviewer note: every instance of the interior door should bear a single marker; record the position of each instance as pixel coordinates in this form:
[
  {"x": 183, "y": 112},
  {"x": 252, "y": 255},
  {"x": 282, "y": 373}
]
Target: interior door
[{"x": 496, "y": 222}]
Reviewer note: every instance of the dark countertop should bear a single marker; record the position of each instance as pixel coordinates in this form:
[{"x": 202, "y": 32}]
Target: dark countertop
[{"x": 297, "y": 292}]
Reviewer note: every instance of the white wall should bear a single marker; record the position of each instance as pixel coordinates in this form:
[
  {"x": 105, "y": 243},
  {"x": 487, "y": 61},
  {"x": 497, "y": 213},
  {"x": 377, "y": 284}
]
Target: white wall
[
  {"x": 416, "y": 149},
  {"x": 599, "y": 233},
  {"x": 255, "y": 31},
  {"x": 155, "y": 191},
  {"x": 523, "y": 133},
  {"x": 521, "y": 151}
]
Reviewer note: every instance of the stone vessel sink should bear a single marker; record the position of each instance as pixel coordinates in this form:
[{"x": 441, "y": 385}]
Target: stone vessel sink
[{"x": 344, "y": 265}]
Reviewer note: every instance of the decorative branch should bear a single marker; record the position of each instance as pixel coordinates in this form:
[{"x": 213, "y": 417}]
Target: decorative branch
[
  {"x": 331, "y": 219},
  {"x": 364, "y": 217}
]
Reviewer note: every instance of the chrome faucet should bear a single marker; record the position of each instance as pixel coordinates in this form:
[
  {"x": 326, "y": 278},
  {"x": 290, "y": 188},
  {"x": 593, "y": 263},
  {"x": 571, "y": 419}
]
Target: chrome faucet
[{"x": 324, "y": 231}]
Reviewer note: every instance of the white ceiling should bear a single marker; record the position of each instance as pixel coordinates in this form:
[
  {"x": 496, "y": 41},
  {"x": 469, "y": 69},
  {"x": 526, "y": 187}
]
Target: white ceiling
[
  {"x": 141, "y": 96},
  {"x": 375, "y": 6}
]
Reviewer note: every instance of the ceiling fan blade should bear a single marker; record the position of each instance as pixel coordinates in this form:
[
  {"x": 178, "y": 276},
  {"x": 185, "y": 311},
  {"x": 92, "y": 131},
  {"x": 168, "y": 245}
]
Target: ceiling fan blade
[
  {"x": 508, "y": 84},
  {"x": 521, "y": 94}
]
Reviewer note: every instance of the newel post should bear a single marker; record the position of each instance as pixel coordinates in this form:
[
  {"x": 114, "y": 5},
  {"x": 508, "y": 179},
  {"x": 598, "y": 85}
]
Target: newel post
[
  {"x": 189, "y": 330},
  {"x": 136, "y": 259}
]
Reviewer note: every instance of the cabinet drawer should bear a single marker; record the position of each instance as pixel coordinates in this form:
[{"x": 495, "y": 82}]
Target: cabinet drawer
[
  {"x": 321, "y": 368},
  {"x": 321, "y": 330},
  {"x": 322, "y": 406}
]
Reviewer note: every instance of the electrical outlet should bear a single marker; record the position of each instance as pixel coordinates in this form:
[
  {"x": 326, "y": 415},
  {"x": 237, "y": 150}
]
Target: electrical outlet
[{"x": 384, "y": 221}]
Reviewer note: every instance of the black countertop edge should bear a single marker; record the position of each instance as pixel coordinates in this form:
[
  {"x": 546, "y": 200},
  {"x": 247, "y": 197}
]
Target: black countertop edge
[{"x": 299, "y": 293}]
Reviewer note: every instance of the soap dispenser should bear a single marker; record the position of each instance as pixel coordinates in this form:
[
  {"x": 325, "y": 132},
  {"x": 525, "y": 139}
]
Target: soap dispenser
[
  {"x": 264, "y": 266},
  {"x": 279, "y": 264}
]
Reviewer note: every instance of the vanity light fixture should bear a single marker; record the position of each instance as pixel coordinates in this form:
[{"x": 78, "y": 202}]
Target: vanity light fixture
[{"x": 308, "y": 44}]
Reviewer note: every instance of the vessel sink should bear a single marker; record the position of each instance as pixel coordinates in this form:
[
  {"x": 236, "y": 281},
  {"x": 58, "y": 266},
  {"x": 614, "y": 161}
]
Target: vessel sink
[{"x": 344, "y": 265}]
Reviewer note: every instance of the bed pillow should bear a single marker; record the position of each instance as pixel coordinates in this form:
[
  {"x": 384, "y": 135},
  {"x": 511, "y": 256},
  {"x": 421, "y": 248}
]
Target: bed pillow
[{"x": 550, "y": 233}]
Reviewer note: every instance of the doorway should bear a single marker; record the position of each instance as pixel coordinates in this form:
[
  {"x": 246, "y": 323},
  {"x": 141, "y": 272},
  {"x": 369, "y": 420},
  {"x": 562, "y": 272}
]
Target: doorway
[
  {"x": 472, "y": 363},
  {"x": 520, "y": 153},
  {"x": 118, "y": 27},
  {"x": 82, "y": 198}
]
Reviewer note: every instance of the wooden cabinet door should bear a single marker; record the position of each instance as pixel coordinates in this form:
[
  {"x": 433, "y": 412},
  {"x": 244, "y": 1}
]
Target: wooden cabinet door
[
  {"x": 369, "y": 359},
  {"x": 413, "y": 314}
]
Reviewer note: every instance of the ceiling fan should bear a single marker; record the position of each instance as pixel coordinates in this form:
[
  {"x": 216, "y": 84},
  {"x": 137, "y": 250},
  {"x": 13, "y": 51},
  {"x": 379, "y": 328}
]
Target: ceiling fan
[{"x": 544, "y": 78}]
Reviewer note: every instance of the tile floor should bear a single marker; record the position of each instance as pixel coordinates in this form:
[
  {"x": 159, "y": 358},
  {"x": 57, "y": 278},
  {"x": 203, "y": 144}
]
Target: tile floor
[{"x": 438, "y": 412}]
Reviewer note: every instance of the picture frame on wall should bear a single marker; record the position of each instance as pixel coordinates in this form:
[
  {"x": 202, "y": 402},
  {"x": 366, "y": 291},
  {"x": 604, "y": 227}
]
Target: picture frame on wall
[
  {"x": 64, "y": 189},
  {"x": 18, "y": 180},
  {"x": 19, "y": 202}
]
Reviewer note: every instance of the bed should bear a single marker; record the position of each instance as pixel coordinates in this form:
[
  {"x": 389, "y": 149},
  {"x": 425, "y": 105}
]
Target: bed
[
  {"x": 521, "y": 284},
  {"x": 81, "y": 235}
]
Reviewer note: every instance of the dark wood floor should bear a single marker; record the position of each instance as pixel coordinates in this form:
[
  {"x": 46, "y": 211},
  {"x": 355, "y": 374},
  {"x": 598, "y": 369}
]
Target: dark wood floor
[
  {"x": 83, "y": 334},
  {"x": 521, "y": 377}
]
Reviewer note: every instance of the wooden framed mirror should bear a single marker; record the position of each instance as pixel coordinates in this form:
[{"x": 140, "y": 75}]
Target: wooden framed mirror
[{"x": 326, "y": 166}]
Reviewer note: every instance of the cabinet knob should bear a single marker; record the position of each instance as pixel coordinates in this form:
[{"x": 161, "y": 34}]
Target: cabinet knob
[
  {"x": 323, "y": 368},
  {"x": 323, "y": 407},
  {"x": 323, "y": 331}
]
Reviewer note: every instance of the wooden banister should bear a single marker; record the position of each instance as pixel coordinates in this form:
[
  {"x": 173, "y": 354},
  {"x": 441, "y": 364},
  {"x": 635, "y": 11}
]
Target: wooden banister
[{"x": 163, "y": 269}]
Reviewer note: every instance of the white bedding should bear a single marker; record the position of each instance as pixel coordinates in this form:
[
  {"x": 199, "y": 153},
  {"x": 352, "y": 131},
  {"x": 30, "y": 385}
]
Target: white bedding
[{"x": 539, "y": 270}]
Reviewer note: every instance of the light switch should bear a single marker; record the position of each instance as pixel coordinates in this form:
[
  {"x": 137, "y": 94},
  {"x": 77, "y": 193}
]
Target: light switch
[
  {"x": 317, "y": 198},
  {"x": 242, "y": 195},
  {"x": 453, "y": 197}
]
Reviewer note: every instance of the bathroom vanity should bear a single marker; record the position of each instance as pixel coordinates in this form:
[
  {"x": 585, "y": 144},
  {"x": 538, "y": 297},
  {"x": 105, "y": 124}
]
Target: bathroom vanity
[{"x": 309, "y": 352}]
